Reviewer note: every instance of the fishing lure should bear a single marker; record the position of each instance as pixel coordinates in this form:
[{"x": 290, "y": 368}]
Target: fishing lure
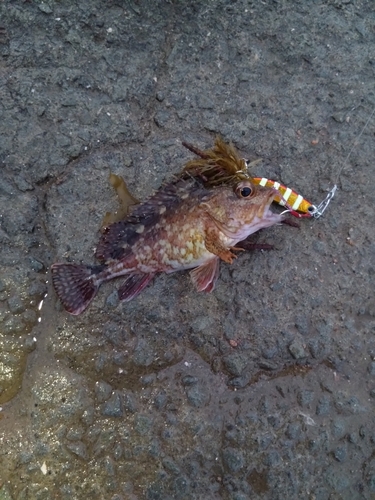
[{"x": 300, "y": 206}]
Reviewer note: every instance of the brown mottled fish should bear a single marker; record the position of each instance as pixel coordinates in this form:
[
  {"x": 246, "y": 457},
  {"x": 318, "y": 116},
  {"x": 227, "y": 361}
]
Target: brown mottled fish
[{"x": 189, "y": 223}]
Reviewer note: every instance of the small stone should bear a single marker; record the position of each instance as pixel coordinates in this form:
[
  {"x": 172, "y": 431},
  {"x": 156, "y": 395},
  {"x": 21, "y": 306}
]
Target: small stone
[
  {"x": 305, "y": 397},
  {"x": 162, "y": 118},
  {"x": 30, "y": 343},
  {"x": 267, "y": 365},
  {"x": 130, "y": 402},
  {"x": 15, "y": 304},
  {"x": 235, "y": 363},
  {"x": 198, "y": 396},
  {"x": 293, "y": 431},
  {"x": 88, "y": 416},
  {"x": 74, "y": 434},
  {"x": 297, "y": 349},
  {"x": 78, "y": 448},
  {"x": 233, "y": 459},
  {"x": 113, "y": 299},
  {"x": 340, "y": 453},
  {"x": 160, "y": 400},
  {"x": 170, "y": 465},
  {"x": 45, "y": 8},
  {"x": 142, "y": 424},
  {"x": 109, "y": 466},
  {"x": 338, "y": 429},
  {"x": 181, "y": 486},
  {"x": 13, "y": 325},
  {"x": 189, "y": 380},
  {"x": 22, "y": 184},
  {"x": 201, "y": 323},
  {"x": 117, "y": 451},
  {"x": 29, "y": 316},
  {"x": 272, "y": 459},
  {"x": 102, "y": 391},
  {"x": 160, "y": 96},
  {"x": 353, "y": 438},
  {"x": 113, "y": 407},
  {"x": 371, "y": 368},
  {"x": 323, "y": 407}
]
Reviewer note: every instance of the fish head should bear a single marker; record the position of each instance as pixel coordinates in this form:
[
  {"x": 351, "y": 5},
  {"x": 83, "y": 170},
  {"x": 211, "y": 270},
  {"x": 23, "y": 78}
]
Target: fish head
[{"x": 242, "y": 209}]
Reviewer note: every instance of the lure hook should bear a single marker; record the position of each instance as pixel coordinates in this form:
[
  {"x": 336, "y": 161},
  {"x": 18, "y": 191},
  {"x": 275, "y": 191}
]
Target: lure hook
[{"x": 321, "y": 208}]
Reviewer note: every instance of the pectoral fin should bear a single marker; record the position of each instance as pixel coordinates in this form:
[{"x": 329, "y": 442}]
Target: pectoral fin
[
  {"x": 133, "y": 285},
  {"x": 204, "y": 277},
  {"x": 215, "y": 246}
]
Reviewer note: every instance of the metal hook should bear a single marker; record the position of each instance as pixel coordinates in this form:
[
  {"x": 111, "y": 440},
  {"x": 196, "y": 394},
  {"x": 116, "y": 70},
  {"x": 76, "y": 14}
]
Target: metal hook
[{"x": 321, "y": 208}]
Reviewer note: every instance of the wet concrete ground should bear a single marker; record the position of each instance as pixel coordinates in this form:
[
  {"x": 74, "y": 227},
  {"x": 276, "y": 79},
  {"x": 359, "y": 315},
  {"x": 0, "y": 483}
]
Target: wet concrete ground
[{"x": 264, "y": 388}]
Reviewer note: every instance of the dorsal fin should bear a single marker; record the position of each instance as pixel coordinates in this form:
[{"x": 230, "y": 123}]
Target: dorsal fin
[{"x": 218, "y": 165}]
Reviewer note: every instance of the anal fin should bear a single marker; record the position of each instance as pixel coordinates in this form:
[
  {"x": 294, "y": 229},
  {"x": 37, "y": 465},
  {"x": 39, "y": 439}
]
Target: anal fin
[
  {"x": 204, "y": 277},
  {"x": 133, "y": 285}
]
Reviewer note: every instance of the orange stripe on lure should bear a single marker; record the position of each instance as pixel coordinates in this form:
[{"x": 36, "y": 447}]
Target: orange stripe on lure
[{"x": 299, "y": 205}]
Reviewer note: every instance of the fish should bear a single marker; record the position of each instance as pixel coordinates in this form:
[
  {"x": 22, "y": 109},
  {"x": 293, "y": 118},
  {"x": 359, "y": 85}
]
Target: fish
[{"x": 186, "y": 224}]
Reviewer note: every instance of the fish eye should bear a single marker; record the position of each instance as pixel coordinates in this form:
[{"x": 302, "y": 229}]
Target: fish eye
[{"x": 244, "y": 191}]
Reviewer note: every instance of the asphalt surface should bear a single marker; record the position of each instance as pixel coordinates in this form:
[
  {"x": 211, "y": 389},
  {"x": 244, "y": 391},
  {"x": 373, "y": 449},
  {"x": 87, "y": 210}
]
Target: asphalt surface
[{"x": 264, "y": 388}]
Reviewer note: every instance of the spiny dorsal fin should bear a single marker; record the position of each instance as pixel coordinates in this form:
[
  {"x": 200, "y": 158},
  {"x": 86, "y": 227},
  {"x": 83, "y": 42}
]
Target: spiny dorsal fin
[{"x": 219, "y": 165}]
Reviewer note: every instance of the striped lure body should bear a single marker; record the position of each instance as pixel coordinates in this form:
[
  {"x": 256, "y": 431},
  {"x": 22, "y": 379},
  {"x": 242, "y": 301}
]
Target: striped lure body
[{"x": 301, "y": 207}]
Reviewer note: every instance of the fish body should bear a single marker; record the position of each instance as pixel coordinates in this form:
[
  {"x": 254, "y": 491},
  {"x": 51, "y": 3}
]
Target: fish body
[{"x": 184, "y": 225}]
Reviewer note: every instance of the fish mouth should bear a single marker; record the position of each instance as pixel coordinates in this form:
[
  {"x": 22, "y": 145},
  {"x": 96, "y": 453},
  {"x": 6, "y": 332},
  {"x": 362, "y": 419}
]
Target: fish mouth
[{"x": 265, "y": 212}]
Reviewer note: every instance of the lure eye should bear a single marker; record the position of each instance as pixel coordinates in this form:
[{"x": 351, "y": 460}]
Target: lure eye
[{"x": 244, "y": 191}]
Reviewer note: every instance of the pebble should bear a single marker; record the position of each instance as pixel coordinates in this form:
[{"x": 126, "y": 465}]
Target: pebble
[
  {"x": 293, "y": 431},
  {"x": 235, "y": 363},
  {"x": 78, "y": 448},
  {"x": 170, "y": 465},
  {"x": 272, "y": 458},
  {"x": 323, "y": 407},
  {"x": 305, "y": 397},
  {"x": 112, "y": 300},
  {"x": 102, "y": 391},
  {"x": 181, "y": 487},
  {"x": 113, "y": 407},
  {"x": 198, "y": 396},
  {"x": 338, "y": 428},
  {"x": 233, "y": 459},
  {"x": 160, "y": 400},
  {"x": 142, "y": 424},
  {"x": 129, "y": 402},
  {"x": 340, "y": 453},
  {"x": 15, "y": 304},
  {"x": 297, "y": 349},
  {"x": 188, "y": 380}
]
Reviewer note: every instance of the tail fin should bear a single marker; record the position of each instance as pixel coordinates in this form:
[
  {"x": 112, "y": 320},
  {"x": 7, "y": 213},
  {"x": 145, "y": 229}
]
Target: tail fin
[{"x": 74, "y": 286}]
